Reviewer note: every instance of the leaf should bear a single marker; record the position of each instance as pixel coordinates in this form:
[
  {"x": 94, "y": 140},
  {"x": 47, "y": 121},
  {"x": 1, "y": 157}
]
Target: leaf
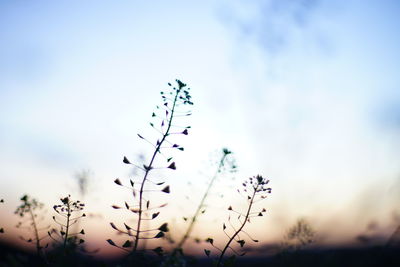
[
  {"x": 141, "y": 137},
  {"x": 127, "y": 244},
  {"x": 126, "y": 205},
  {"x": 223, "y": 226},
  {"x": 160, "y": 183},
  {"x": 172, "y": 166},
  {"x": 207, "y": 252},
  {"x": 132, "y": 183},
  {"x": 155, "y": 215},
  {"x": 111, "y": 242},
  {"x": 163, "y": 227},
  {"x": 210, "y": 240},
  {"x": 260, "y": 214},
  {"x": 230, "y": 208},
  {"x": 166, "y": 189},
  {"x": 126, "y": 161},
  {"x": 169, "y": 159},
  {"x": 117, "y": 181},
  {"x": 127, "y": 227},
  {"x": 81, "y": 241},
  {"x": 185, "y": 132},
  {"x": 241, "y": 242},
  {"x": 159, "y": 235},
  {"x": 115, "y": 207},
  {"x": 82, "y": 232},
  {"x": 113, "y": 226},
  {"x": 181, "y": 148},
  {"x": 202, "y": 212},
  {"x": 147, "y": 204}
]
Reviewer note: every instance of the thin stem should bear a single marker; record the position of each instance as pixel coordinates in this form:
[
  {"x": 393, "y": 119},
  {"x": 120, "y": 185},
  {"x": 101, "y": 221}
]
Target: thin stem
[
  {"x": 157, "y": 150},
  {"x": 240, "y": 229},
  {"x": 67, "y": 226},
  {"x": 35, "y": 230},
  {"x": 196, "y": 214}
]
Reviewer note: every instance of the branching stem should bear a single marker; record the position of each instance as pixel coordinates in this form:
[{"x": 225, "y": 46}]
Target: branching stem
[
  {"x": 201, "y": 204},
  {"x": 240, "y": 228},
  {"x": 147, "y": 170}
]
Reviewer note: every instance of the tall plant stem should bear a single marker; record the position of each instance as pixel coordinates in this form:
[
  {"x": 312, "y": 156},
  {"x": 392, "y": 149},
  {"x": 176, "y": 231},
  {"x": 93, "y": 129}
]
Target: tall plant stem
[
  {"x": 35, "y": 230},
  {"x": 67, "y": 226},
  {"x": 201, "y": 204},
  {"x": 239, "y": 230},
  {"x": 147, "y": 170}
]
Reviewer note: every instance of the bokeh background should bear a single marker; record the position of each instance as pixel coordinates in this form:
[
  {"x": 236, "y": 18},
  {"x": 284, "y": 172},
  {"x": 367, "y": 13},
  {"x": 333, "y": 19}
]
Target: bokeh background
[{"x": 305, "y": 92}]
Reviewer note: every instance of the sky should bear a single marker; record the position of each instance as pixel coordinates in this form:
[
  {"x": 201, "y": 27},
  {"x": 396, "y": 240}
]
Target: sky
[{"x": 304, "y": 92}]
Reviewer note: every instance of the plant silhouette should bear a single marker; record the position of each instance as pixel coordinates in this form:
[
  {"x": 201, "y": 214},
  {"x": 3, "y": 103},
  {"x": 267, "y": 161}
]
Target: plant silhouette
[
  {"x": 65, "y": 211},
  {"x": 200, "y": 208},
  {"x": 173, "y": 105},
  {"x": 299, "y": 235},
  {"x": 255, "y": 189},
  {"x": 29, "y": 213},
  {"x": 1, "y": 228}
]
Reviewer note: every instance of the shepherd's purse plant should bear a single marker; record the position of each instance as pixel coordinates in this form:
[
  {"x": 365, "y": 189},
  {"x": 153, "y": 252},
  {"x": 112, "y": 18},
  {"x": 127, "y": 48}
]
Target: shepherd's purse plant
[
  {"x": 255, "y": 189},
  {"x": 174, "y": 104}
]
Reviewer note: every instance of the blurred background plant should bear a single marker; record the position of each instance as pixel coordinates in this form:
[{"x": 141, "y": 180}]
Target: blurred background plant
[
  {"x": 32, "y": 212},
  {"x": 225, "y": 164},
  {"x": 298, "y": 236}
]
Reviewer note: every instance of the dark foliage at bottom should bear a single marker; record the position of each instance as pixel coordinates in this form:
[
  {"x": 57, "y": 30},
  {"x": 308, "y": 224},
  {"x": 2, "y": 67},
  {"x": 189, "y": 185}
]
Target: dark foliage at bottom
[{"x": 369, "y": 257}]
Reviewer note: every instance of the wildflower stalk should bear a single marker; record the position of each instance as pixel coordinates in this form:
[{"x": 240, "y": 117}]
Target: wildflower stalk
[
  {"x": 67, "y": 225},
  {"x": 172, "y": 100},
  {"x": 35, "y": 230},
  {"x": 239, "y": 229},
  {"x": 255, "y": 190},
  {"x": 149, "y": 168},
  {"x": 1, "y": 228},
  {"x": 66, "y": 210},
  {"x": 28, "y": 208},
  {"x": 189, "y": 230}
]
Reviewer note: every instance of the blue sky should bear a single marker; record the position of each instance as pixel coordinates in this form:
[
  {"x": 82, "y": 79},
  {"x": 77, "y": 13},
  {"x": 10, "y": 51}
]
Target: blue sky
[{"x": 305, "y": 92}]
